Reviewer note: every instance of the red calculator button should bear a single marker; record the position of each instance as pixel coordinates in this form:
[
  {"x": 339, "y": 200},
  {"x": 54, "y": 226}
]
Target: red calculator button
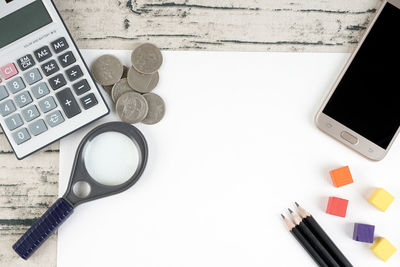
[{"x": 8, "y": 71}]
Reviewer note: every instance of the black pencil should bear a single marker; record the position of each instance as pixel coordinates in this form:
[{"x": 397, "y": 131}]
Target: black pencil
[
  {"x": 304, "y": 243},
  {"x": 323, "y": 237},
  {"x": 313, "y": 240}
]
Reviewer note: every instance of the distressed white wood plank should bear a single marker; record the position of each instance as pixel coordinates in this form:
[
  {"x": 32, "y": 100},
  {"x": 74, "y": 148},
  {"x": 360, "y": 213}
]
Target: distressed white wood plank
[{"x": 252, "y": 25}]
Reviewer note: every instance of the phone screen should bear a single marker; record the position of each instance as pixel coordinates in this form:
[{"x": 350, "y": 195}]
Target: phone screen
[{"x": 367, "y": 99}]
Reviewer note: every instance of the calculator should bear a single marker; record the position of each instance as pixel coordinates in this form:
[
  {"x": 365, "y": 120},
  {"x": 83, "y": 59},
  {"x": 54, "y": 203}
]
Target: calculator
[{"x": 46, "y": 89}]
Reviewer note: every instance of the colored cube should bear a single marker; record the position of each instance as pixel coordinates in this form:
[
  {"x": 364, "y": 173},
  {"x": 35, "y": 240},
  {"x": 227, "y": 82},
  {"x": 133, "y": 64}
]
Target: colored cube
[
  {"x": 383, "y": 249},
  {"x": 364, "y": 233},
  {"x": 381, "y": 199},
  {"x": 341, "y": 176},
  {"x": 337, "y": 206}
]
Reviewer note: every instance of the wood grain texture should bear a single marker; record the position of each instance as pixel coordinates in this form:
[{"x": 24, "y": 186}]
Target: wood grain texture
[
  {"x": 28, "y": 187},
  {"x": 251, "y": 25}
]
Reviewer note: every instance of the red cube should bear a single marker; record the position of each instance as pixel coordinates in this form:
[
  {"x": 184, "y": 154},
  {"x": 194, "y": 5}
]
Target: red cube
[{"x": 337, "y": 206}]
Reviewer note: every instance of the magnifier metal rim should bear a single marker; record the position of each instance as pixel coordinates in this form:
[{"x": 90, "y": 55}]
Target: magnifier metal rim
[{"x": 80, "y": 173}]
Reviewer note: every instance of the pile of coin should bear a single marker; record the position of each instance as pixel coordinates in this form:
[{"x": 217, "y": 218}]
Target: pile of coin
[{"x": 130, "y": 88}]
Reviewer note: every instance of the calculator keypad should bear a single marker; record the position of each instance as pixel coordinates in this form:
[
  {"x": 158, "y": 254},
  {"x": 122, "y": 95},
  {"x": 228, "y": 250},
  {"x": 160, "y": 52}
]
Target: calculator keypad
[{"x": 27, "y": 104}]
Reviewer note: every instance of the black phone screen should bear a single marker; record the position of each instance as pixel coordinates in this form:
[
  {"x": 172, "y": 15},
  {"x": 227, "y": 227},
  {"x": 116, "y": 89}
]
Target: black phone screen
[{"x": 367, "y": 99}]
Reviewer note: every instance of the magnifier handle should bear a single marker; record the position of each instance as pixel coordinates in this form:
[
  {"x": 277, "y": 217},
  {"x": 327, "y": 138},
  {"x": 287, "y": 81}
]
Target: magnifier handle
[{"x": 45, "y": 226}]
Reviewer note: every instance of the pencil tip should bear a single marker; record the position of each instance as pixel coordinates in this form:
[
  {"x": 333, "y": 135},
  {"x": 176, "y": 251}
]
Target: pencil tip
[
  {"x": 291, "y": 211},
  {"x": 283, "y": 217},
  {"x": 297, "y": 204}
]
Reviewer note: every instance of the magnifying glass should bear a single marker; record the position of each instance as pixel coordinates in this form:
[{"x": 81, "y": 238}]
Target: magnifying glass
[{"x": 109, "y": 160}]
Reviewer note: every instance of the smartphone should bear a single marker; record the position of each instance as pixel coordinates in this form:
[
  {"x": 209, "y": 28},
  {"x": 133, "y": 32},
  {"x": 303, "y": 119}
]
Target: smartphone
[{"x": 363, "y": 108}]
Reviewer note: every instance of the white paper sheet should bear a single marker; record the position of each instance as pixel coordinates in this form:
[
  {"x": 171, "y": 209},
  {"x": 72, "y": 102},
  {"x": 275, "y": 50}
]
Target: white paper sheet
[{"x": 237, "y": 146}]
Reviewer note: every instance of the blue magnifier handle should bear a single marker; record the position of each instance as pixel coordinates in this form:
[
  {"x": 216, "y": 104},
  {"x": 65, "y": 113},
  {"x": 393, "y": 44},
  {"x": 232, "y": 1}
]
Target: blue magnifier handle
[{"x": 43, "y": 228}]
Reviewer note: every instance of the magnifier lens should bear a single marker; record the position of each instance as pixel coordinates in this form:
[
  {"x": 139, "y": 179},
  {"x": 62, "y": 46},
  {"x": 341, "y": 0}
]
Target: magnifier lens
[{"x": 111, "y": 158}]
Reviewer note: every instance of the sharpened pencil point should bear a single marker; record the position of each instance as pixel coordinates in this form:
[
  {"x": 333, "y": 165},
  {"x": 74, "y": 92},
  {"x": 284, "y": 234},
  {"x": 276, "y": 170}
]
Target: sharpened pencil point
[
  {"x": 297, "y": 204},
  {"x": 283, "y": 217},
  {"x": 291, "y": 211}
]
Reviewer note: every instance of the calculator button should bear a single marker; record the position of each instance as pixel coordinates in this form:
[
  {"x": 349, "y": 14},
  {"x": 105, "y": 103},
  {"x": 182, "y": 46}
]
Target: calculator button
[
  {"x": 47, "y": 104},
  {"x": 26, "y": 62},
  {"x": 57, "y": 82},
  {"x": 32, "y": 76},
  {"x": 16, "y": 85},
  {"x": 50, "y": 68},
  {"x": 23, "y": 99},
  {"x": 37, "y": 127},
  {"x": 21, "y": 136},
  {"x": 7, "y": 108},
  {"x": 43, "y": 53},
  {"x": 81, "y": 87},
  {"x": 13, "y": 122},
  {"x": 3, "y": 92},
  {"x": 68, "y": 103},
  {"x": 66, "y": 59},
  {"x": 74, "y": 73},
  {"x": 55, "y": 118},
  {"x": 89, "y": 101},
  {"x": 8, "y": 71},
  {"x": 30, "y": 113},
  {"x": 59, "y": 45},
  {"x": 40, "y": 90}
]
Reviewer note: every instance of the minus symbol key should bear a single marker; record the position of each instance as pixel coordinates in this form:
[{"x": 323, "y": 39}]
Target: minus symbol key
[{"x": 81, "y": 87}]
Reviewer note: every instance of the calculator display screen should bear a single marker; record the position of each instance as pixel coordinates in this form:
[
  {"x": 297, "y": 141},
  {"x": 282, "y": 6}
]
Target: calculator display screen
[
  {"x": 23, "y": 22},
  {"x": 367, "y": 99}
]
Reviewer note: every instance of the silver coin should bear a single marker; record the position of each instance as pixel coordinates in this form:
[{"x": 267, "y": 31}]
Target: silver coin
[
  {"x": 107, "y": 70},
  {"x": 147, "y": 58},
  {"x": 132, "y": 107},
  {"x": 142, "y": 83},
  {"x": 156, "y": 108},
  {"x": 120, "y": 88}
]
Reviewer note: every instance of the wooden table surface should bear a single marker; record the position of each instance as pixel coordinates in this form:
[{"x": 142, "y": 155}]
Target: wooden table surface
[{"x": 28, "y": 187}]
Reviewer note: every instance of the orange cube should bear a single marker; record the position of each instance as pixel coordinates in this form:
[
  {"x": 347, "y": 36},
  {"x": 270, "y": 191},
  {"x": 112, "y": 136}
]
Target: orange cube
[{"x": 341, "y": 176}]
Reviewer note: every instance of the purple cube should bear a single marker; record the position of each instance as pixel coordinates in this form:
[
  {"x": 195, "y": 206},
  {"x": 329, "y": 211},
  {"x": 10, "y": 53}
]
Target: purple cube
[{"x": 364, "y": 232}]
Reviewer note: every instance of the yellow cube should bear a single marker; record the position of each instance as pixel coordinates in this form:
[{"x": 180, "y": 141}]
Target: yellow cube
[
  {"x": 381, "y": 199},
  {"x": 383, "y": 249}
]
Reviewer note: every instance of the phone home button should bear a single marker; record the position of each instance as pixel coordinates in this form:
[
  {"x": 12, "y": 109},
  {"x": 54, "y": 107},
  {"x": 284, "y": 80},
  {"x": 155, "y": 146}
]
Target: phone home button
[{"x": 349, "y": 138}]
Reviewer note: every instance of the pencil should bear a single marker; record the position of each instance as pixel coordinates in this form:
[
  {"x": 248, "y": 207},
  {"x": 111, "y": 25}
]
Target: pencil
[
  {"x": 304, "y": 243},
  {"x": 305, "y": 231},
  {"x": 323, "y": 237}
]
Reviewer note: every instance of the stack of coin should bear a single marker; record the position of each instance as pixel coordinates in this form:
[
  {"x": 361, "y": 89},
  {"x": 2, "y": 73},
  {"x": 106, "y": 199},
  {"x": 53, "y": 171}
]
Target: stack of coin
[{"x": 130, "y": 88}]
